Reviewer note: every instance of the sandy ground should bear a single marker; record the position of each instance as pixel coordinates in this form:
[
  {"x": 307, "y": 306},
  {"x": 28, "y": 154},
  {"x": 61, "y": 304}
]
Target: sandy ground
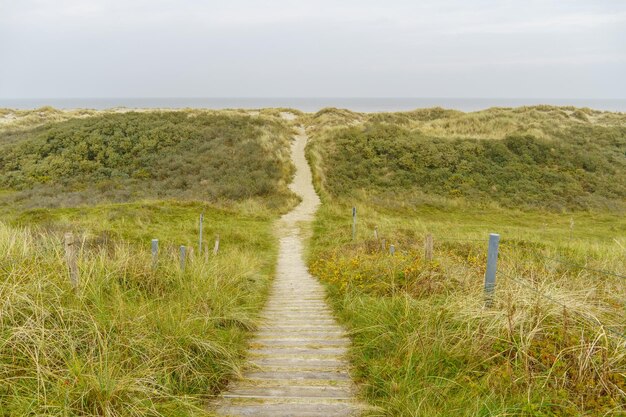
[
  {"x": 302, "y": 185},
  {"x": 298, "y": 359}
]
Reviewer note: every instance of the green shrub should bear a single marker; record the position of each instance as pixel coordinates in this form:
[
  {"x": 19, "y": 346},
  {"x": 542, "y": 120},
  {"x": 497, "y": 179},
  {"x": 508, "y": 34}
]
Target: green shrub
[
  {"x": 585, "y": 168},
  {"x": 148, "y": 155}
]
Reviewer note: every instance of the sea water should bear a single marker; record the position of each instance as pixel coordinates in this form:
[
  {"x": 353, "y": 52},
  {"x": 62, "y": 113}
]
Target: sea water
[{"x": 311, "y": 104}]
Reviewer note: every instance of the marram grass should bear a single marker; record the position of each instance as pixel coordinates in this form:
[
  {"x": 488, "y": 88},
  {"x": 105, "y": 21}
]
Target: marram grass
[
  {"x": 424, "y": 344},
  {"x": 132, "y": 340}
]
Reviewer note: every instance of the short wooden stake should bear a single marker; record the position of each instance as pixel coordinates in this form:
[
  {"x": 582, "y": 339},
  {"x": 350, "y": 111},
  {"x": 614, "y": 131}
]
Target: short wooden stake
[
  {"x": 428, "y": 247},
  {"x": 392, "y": 250},
  {"x": 71, "y": 257},
  {"x": 353, "y": 223},
  {"x": 490, "y": 273},
  {"x": 216, "y": 248},
  {"x": 155, "y": 252},
  {"x": 200, "y": 234},
  {"x": 376, "y": 233},
  {"x": 183, "y": 256},
  {"x": 383, "y": 244}
]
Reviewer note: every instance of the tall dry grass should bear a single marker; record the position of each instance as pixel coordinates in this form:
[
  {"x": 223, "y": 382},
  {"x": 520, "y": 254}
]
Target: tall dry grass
[
  {"x": 552, "y": 344},
  {"x": 425, "y": 344},
  {"x": 132, "y": 340}
]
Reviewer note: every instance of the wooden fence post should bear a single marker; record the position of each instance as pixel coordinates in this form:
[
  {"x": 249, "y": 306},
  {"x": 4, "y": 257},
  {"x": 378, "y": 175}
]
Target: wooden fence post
[
  {"x": 353, "y": 223},
  {"x": 376, "y": 233},
  {"x": 216, "y": 248},
  {"x": 200, "y": 235},
  {"x": 155, "y": 252},
  {"x": 392, "y": 250},
  {"x": 428, "y": 247},
  {"x": 183, "y": 256},
  {"x": 490, "y": 273},
  {"x": 71, "y": 256}
]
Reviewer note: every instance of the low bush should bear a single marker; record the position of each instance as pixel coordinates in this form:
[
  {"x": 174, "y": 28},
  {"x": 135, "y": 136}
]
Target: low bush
[
  {"x": 584, "y": 169},
  {"x": 135, "y": 155}
]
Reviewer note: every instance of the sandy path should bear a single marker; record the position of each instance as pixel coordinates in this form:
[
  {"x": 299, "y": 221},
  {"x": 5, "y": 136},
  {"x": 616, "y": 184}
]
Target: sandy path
[{"x": 297, "y": 365}]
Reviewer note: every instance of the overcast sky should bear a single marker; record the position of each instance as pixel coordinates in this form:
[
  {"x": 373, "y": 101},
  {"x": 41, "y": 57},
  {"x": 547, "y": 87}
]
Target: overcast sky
[{"x": 313, "y": 48}]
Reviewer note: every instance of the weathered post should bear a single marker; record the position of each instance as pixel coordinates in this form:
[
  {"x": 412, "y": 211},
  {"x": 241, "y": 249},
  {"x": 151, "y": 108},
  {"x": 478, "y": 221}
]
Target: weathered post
[
  {"x": 71, "y": 257},
  {"x": 183, "y": 256},
  {"x": 200, "y": 235},
  {"x": 216, "y": 248},
  {"x": 490, "y": 273},
  {"x": 353, "y": 223},
  {"x": 392, "y": 250},
  {"x": 383, "y": 244},
  {"x": 376, "y": 233},
  {"x": 428, "y": 247},
  {"x": 155, "y": 252}
]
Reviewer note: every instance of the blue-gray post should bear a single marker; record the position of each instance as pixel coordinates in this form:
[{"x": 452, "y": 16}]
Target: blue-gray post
[
  {"x": 490, "y": 273},
  {"x": 353, "y": 223},
  {"x": 392, "y": 250},
  {"x": 155, "y": 252},
  {"x": 183, "y": 256},
  {"x": 200, "y": 237}
]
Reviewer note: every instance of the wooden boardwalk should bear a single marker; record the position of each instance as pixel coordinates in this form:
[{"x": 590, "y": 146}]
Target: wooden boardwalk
[{"x": 297, "y": 361}]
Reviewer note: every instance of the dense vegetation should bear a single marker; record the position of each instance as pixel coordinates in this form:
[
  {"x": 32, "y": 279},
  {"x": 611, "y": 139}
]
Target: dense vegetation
[
  {"x": 143, "y": 341},
  {"x": 133, "y": 155},
  {"x": 133, "y": 340},
  {"x": 423, "y": 342},
  {"x": 582, "y": 166}
]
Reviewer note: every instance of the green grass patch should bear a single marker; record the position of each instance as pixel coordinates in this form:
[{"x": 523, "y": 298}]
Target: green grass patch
[
  {"x": 133, "y": 340},
  {"x": 424, "y": 343},
  {"x": 117, "y": 157},
  {"x": 584, "y": 169}
]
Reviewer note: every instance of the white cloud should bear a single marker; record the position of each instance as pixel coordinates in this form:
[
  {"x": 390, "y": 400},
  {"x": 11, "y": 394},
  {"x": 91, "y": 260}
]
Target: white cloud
[
  {"x": 301, "y": 48},
  {"x": 564, "y": 23}
]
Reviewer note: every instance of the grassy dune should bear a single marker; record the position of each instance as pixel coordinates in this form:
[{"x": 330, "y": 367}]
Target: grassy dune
[
  {"x": 133, "y": 340},
  {"x": 544, "y": 122},
  {"x": 424, "y": 345},
  {"x": 535, "y": 158},
  {"x": 138, "y": 341},
  {"x": 117, "y": 157}
]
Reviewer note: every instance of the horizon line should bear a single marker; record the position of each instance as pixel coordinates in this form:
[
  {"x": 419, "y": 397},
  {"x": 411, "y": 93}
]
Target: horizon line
[{"x": 312, "y": 97}]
